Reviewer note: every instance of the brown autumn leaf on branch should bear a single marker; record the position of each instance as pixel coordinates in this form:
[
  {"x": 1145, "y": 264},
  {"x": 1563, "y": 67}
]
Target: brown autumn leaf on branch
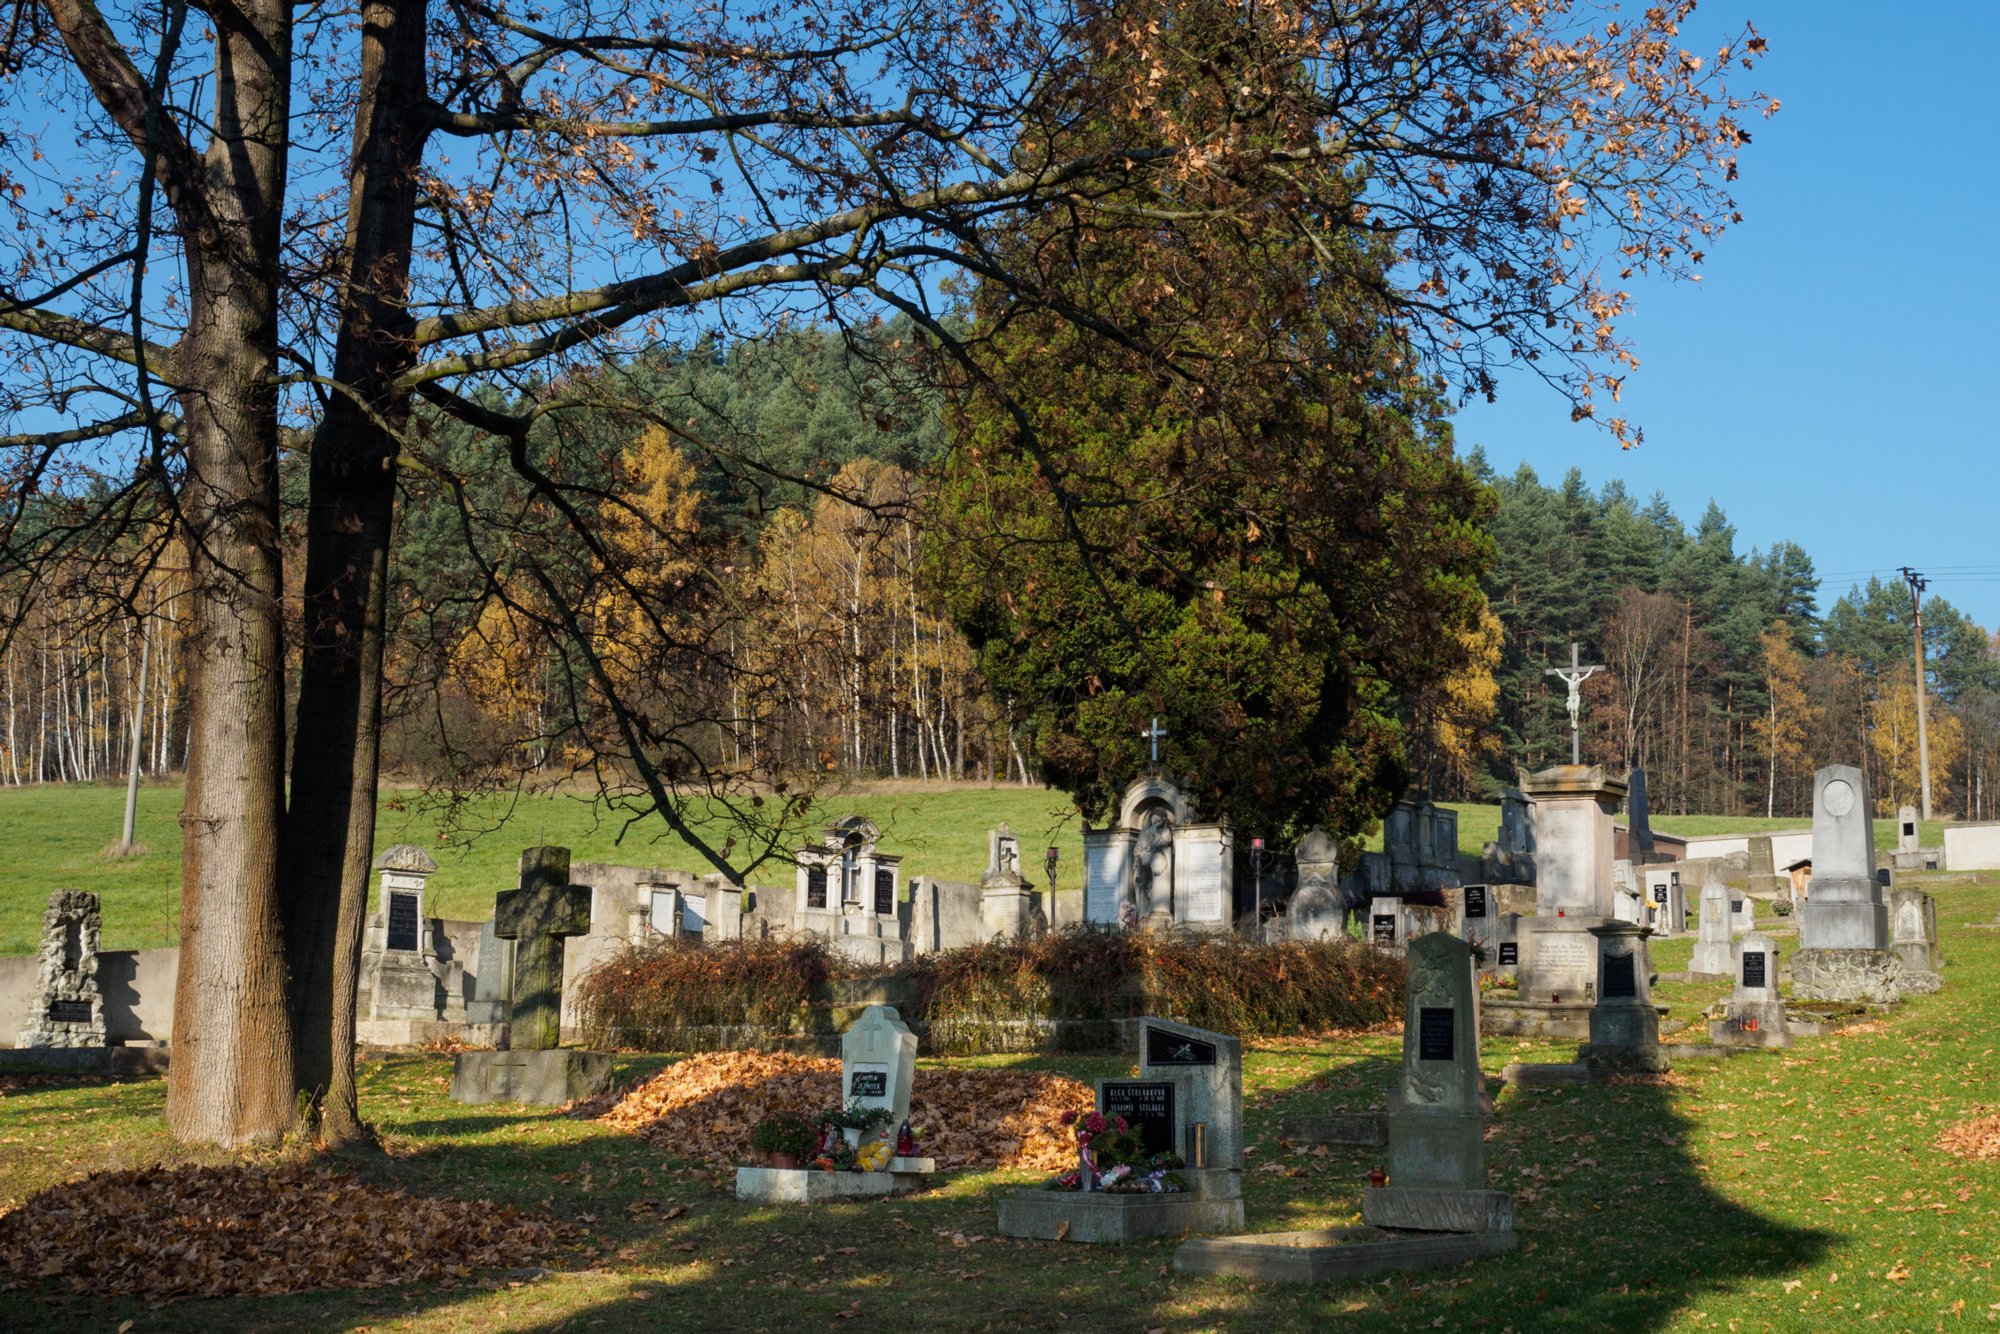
[
  {"x": 705, "y": 1107},
  {"x": 241, "y": 1231}
]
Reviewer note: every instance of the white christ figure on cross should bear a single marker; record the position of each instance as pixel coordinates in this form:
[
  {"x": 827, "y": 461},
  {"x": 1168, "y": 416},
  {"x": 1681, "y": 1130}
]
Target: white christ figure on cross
[{"x": 1574, "y": 676}]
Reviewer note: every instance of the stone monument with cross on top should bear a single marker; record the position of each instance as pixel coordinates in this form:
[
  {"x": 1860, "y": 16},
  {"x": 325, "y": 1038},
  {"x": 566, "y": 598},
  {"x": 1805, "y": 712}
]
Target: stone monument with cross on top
[
  {"x": 1574, "y": 676},
  {"x": 535, "y": 919}
]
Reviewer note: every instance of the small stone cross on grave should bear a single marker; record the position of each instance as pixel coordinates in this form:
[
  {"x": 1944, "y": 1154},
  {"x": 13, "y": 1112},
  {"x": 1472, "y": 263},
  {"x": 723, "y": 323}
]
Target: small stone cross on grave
[
  {"x": 537, "y": 917},
  {"x": 1574, "y": 676}
]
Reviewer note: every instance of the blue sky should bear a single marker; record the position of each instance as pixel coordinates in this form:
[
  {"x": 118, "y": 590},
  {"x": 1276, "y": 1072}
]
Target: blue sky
[{"x": 1823, "y": 381}]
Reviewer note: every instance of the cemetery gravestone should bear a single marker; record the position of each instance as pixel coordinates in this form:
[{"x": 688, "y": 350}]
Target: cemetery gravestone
[
  {"x": 1765, "y": 881},
  {"x": 1187, "y": 1100},
  {"x": 1209, "y": 1067},
  {"x": 1638, "y": 821},
  {"x": 1624, "y": 1027},
  {"x": 535, "y": 1069},
  {"x": 1008, "y": 908},
  {"x": 878, "y": 1064},
  {"x": 69, "y": 1004},
  {"x": 1388, "y": 929},
  {"x": 1437, "y": 1121},
  {"x": 1742, "y": 914},
  {"x": 405, "y": 983},
  {"x": 1712, "y": 954},
  {"x": 1913, "y": 939},
  {"x": 1318, "y": 910},
  {"x": 1756, "y": 1013},
  {"x": 1844, "y": 927}
]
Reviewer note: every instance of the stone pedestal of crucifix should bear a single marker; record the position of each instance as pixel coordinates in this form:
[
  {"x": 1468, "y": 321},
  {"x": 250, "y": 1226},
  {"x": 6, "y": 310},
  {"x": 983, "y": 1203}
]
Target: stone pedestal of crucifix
[{"x": 536, "y": 1068}]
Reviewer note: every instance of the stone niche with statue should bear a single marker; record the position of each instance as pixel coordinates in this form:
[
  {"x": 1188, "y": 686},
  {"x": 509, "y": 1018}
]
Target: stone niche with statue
[
  {"x": 847, "y": 891},
  {"x": 1158, "y": 866}
]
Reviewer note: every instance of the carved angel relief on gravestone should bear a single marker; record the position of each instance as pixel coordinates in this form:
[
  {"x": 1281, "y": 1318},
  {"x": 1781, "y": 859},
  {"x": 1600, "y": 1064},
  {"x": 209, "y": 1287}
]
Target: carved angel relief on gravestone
[{"x": 1433, "y": 996}]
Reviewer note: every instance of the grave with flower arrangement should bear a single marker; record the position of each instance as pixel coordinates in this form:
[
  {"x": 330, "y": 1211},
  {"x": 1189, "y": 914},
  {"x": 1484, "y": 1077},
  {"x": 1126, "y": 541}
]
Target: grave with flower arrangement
[
  {"x": 1162, "y": 1155},
  {"x": 866, "y": 1145},
  {"x": 1431, "y": 1207}
]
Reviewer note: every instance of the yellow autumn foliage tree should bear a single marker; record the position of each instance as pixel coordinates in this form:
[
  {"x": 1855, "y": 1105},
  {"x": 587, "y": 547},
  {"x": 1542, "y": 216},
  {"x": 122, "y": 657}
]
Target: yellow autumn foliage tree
[{"x": 1894, "y": 739}]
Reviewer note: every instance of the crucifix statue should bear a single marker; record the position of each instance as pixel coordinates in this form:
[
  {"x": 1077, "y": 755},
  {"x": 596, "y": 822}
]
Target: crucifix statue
[
  {"x": 537, "y": 917},
  {"x": 1574, "y": 676},
  {"x": 1153, "y": 734}
]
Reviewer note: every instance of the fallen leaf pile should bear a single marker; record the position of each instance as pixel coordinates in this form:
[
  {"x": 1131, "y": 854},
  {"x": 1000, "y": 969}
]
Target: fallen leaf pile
[
  {"x": 230, "y": 1231},
  {"x": 704, "y": 1108},
  {"x": 1978, "y": 1138}
]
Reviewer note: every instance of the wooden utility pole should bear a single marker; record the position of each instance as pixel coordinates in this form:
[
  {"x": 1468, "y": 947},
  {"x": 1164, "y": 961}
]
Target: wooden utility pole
[{"x": 1917, "y": 585}]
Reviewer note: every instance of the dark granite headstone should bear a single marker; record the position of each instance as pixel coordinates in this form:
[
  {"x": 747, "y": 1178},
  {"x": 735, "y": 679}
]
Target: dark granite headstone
[
  {"x": 816, "y": 888},
  {"x": 1753, "y": 968},
  {"x": 1620, "y": 977},
  {"x": 1165, "y": 1048},
  {"x": 1147, "y": 1106},
  {"x": 885, "y": 891},
  {"x": 1475, "y": 900},
  {"x": 1437, "y": 1033},
  {"x": 403, "y": 922}
]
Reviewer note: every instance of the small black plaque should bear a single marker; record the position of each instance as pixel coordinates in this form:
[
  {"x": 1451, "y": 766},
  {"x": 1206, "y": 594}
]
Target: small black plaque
[
  {"x": 1620, "y": 977},
  {"x": 1385, "y": 930},
  {"x": 1736, "y": 907},
  {"x": 1147, "y": 1106},
  {"x": 403, "y": 922},
  {"x": 1437, "y": 1033},
  {"x": 1510, "y": 954},
  {"x": 1753, "y": 968},
  {"x": 1475, "y": 900},
  {"x": 1164, "y": 1048},
  {"x": 868, "y": 1084},
  {"x": 885, "y": 892},
  {"x": 69, "y": 1012},
  {"x": 816, "y": 888}
]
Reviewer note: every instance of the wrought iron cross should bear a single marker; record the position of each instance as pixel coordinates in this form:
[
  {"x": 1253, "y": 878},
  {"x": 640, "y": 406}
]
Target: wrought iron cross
[
  {"x": 1574, "y": 676},
  {"x": 1154, "y": 733}
]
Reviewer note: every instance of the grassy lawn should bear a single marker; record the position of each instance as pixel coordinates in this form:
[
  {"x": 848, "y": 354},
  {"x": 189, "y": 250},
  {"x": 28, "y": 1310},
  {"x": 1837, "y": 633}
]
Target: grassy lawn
[
  {"x": 51, "y": 838},
  {"x": 1773, "y": 1191}
]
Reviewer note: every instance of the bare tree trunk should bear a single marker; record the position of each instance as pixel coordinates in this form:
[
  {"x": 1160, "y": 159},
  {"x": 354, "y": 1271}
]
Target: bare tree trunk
[
  {"x": 350, "y": 512},
  {"x": 138, "y": 738}
]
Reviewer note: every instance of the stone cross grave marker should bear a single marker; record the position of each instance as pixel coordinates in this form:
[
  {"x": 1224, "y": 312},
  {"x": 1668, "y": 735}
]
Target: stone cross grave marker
[
  {"x": 878, "y": 1063},
  {"x": 537, "y": 917},
  {"x": 1208, "y": 1068}
]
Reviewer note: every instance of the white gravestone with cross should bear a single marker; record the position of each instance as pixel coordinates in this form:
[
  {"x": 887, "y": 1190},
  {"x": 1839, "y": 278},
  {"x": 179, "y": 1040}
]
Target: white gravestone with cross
[{"x": 878, "y": 1064}]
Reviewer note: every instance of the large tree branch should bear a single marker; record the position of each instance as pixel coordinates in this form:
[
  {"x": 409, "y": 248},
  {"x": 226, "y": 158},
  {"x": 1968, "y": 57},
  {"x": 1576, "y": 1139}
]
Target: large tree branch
[
  {"x": 669, "y": 286},
  {"x": 467, "y": 124},
  {"x": 132, "y": 102},
  {"x": 51, "y": 327}
]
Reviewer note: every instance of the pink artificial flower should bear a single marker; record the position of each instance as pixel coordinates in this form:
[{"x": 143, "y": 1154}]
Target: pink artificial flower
[{"x": 1069, "y": 1117}]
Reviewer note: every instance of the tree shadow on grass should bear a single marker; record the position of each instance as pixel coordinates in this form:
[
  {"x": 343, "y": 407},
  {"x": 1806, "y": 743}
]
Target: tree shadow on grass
[{"x": 1620, "y": 1228}]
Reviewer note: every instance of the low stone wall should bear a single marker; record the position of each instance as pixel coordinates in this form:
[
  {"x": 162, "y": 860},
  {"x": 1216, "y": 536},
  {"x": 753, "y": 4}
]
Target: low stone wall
[{"x": 1972, "y": 847}]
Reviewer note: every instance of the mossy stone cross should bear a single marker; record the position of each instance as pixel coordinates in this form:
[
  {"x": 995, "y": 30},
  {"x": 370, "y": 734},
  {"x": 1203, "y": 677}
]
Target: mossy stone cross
[{"x": 537, "y": 917}]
